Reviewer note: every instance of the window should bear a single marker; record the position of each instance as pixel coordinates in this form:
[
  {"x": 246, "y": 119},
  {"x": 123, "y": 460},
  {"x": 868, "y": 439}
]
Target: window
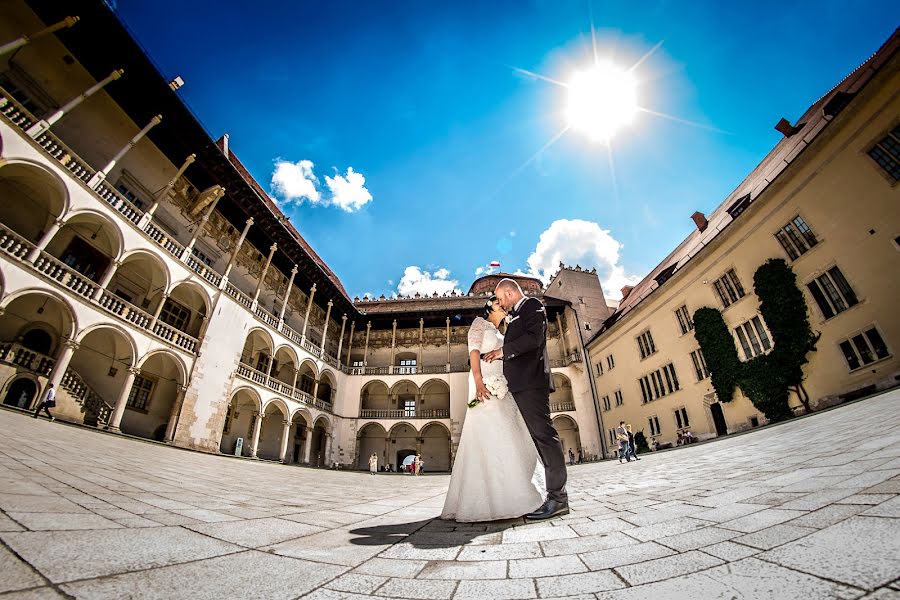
[
  {"x": 619, "y": 400},
  {"x": 700, "y": 367},
  {"x": 681, "y": 418},
  {"x": 599, "y": 368},
  {"x": 587, "y": 326},
  {"x": 739, "y": 206},
  {"x": 605, "y": 400},
  {"x": 140, "y": 392},
  {"x": 887, "y": 153},
  {"x": 832, "y": 292},
  {"x": 796, "y": 238},
  {"x": 175, "y": 315},
  {"x": 407, "y": 367},
  {"x": 864, "y": 348},
  {"x": 753, "y": 338},
  {"x": 654, "y": 425},
  {"x": 202, "y": 257},
  {"x": 229, "y": 415},
  {"x": 659, "y": 383},
  {"x": 684, "y": 320},
  {"x": 610, "y": 361},
  {"x": 645, "y": 344},
  {"x": 129, "y": 195},
  {"x": 612, "y": 437},
  {"x": 729, "y": 288},
  {"x": 409, "y": 407}
]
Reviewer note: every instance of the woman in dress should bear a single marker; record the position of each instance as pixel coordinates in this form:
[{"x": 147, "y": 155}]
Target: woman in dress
[{"x": 497, "y": 473}]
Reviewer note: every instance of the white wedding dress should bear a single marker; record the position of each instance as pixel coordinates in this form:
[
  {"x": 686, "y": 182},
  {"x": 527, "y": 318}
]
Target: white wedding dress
[{"x": 497, "y": 473}]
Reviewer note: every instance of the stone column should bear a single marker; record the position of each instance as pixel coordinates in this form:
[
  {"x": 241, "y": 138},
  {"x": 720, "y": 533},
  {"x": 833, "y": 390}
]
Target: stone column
[
  {"x": 393, "y": 345},
  {"x": 257, "y": 426},
  {"x": 26, "y": 38},
  {"x": 174, "y": 415},
  {"x": 269, "y": 370},
  {"x": 309, "y": 302},
  {"x": 262, "y": 276},
  {"x": 327, "y": 455},
  {"x": 116, "y": 419},
  {"x": 100, "y": 175},
  {"x": 285, "y": 432},
  {"x": 562, "y": 336},
  {"x": 156, "y": 313},
  {"x": 315, "y": 392},
  {"x": 218, "y": 192},
  {"x": 350, "y": 341},
  {"x": 48, "y": 121},
  {"x": 307, "y": 445},
  {"x": 107, "y": 277},
  {"x": 294, "y": 384},
  {"x": 325, "y": 328},
  {"x": 366, "y": 350},
  {"x": 42, "y": 243},
  {"x": 287, "y": 295},
  {"x": 148, "y": 216},
  {"x": 421, "y": 345},
  {"x": 234, "y": 254},
  {"x": 60, "y": 366},
  {"x": 448, "y": 344},
  {"x": 341, "y": 338}
]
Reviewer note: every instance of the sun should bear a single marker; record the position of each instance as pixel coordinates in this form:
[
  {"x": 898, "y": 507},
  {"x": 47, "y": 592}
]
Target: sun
[{"x": 602, "y": 100}]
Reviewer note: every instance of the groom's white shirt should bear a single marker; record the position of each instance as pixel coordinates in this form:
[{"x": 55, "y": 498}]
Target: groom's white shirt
[{"x": 519, "y": 303}]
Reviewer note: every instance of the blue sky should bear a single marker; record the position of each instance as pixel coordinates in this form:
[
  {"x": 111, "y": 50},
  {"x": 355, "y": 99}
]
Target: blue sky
[{"x": 397, "y": 135}]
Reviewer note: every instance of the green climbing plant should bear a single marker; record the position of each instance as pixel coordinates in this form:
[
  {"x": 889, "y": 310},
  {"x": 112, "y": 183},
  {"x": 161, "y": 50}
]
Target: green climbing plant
[{"x": 767, "y": 379}]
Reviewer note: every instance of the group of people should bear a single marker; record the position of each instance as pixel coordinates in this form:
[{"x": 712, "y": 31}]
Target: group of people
[
  {"x": 685, "y": 437},
  {"x": 573, "y": 460},
  {"x": 627, "y": 446},
  {"x": 414, "y": 467}
]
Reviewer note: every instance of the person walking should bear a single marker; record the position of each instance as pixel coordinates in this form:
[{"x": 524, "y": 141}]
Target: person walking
[
  {"x": 571, "y": 457},
  {"x": 417, "y": 464},
  {"x": 632, "y": 447},
  {"x": 48, "y": 403},
  {"x": 580, "y": 456},
  {"x": 622, "y": 438},
  {"x": 373, "y": 463}
]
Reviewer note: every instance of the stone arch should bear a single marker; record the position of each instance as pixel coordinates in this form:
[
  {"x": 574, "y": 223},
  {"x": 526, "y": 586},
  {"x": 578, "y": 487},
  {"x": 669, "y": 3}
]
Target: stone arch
[
  {"x": 154, "y": 395},
  {"x": 104, "y": 362},
  {"x": 305, "y": 414},
  {"x": 371, "y": 438},
  {"x": 70, "y": 319},
  {"x": 402, "y": 442},
  {"x": 567, "y": 429},
  {"x": 179, "y": 364},
  {"x": 98, "y": 234},
  {"x": 21, "y": 390},
  {"x": 186, "y": 307},
  {"x": 327, "y": 386},
  {"x": 285, "y": 367},
  {"x": 405, "y": 397},
  {"x": 275, "y": 413},
  {"x": 434, "y": 446},
  {"x": 311, "y": 364},
  {"x": 258, "y": 349},
  {"x": 562, "y": 397},
  {"x": 32, "y": 197},
  {"x": 141, "y": 278},
  {"x": 375, "y": 395},
  {"x": 244, "y": 407},
  {"x": 307, "y": 375},
  {"x": 114, "y": 327},
  {"x": 279, "y": 404},
  {"x": 435, "y": 399},
  {"x": 251, "y": 394}
]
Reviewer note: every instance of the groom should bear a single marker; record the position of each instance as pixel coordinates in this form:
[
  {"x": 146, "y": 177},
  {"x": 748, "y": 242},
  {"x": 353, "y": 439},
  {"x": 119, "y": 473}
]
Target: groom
[{"x": 527, "y": 371}]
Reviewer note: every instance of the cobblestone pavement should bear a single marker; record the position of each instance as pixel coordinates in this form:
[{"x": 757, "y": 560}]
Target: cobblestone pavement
[{"x": 807, "y": 509}]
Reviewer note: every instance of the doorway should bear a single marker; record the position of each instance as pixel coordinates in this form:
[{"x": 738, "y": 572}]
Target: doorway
[
  {"x": 401, "y": 455},
  {"x": 718, "y": 418},
  {"x": 20, "y": 393}
]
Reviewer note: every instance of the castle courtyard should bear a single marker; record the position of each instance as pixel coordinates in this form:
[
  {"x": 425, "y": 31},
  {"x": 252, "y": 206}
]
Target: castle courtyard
[{"x": 804, "y": 509}]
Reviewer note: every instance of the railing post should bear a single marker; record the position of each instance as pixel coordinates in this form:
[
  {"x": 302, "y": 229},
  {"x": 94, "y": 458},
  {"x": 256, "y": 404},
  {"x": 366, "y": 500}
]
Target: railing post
[
  {"x": 100, "y": 175},
  {"x": 116, "y": 419},
  {"x": 234, "y": 254},
  {"x": 42, "y": 243}
]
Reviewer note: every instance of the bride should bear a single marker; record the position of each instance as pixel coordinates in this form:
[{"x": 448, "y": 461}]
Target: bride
[{"x": 497, "y": 473}]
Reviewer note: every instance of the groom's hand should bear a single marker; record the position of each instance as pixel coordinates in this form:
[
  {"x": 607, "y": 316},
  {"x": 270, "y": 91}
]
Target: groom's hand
[{"x": 493, "y": 355}]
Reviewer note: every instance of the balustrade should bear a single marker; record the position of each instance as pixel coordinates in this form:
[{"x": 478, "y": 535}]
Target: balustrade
[
  {"x": 119, "y": 202},
  {"x": 562, "y": 406},
  {"x": 14, "y": 245},
  {"x": 15, "y": 354},
  {"x": 96, "y": 408},
  {"x": 423, "y": 413},
  {"x": 61, "y": 273}
]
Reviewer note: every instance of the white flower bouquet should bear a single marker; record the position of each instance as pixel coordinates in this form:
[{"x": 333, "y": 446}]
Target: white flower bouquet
[{"x": 496, "y": 385}]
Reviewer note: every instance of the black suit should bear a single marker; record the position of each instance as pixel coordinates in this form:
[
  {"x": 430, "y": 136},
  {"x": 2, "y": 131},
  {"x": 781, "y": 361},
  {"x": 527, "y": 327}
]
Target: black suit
[{"x": 526, "y": 367}]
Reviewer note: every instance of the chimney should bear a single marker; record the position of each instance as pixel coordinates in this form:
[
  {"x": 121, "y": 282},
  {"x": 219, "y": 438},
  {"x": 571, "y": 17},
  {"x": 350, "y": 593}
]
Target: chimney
[
  {"x": 225, "y": 145},
  {"x": 785, "y": 128},
  {"x": 700, "y": 221},
  {"x": 626, "y": 290}
]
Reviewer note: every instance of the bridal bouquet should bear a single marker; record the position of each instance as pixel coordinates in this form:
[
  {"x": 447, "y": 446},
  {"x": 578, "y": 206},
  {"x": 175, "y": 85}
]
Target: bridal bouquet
[{"x": 496, "y": 385}]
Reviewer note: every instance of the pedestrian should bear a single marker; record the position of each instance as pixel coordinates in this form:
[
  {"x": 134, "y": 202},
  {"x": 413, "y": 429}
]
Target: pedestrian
[
  {"x": 373, "y": 463},
  {"x": 580, "y": 456},
  {"x": 622, "y": 437},
  {"x": 48, "y": 403},
  {"x": 571, "y": 457},
  {"x": 417, "y": 463},
  {"x": 632, "y": 447}
]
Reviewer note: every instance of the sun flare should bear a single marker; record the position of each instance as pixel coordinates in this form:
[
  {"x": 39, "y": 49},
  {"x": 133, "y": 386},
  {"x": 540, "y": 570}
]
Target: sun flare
[{"x": 602, "y": 100}]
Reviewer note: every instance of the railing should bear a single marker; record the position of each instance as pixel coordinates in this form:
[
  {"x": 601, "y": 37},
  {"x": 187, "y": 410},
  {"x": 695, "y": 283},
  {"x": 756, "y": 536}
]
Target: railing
[
  {"x": 204, "y": 271},
  {"x": 267, "y": 317},
  {"x": 562, "y": 406},
  {"x": 310, "y": 347},
  {"x": 238, "y": 295},
  {"x": 565, "y": 361},
  {"x": 97, "y": 411},
  {"x": 64, "y": 275},
  {"x": 121, "y": 308},
  {"x": 431, "y": 369},
  {"x": 291, "y": 334},
  {"x": 175, "y": 336},
  {"x": 16, "y": 113},
  {"x": 247, "y": 372},
  {"x": 119, "y": 202},
  {"x": 17, "y": 355},
  {"x": 331, "y": 360},
  {"x": 163, "y": 240},
  {"x": 12, "y": 244},
  {"x": 425, "y": 413}
]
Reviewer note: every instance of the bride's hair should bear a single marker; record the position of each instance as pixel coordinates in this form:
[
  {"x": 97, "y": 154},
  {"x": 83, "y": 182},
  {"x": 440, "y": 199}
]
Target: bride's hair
[{"x": 489, "y": 307}]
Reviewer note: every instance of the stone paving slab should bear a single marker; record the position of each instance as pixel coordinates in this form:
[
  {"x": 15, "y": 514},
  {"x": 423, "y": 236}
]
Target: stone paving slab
[{"x": 795, "y": 510}]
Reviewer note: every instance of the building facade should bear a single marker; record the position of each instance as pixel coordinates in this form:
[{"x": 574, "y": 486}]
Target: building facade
[
  {"x": 154, "y": 282},
  {"x": 826, "y": 200}
]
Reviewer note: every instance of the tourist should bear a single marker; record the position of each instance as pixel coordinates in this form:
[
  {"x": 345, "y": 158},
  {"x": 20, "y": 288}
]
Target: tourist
[
  {"x": 622, "y": 437},
  {"x": 417, "y": 464},
  {"x": 632, "y": 446},
  {"x": 680, "y": 439},
  {"x": 655, "y": 446},
  {"x": 580, "y": 456},
  {"x": 571, "y": 457},
  {"x": 48, "y": 403},
  {"x": 373, "y": 463}
]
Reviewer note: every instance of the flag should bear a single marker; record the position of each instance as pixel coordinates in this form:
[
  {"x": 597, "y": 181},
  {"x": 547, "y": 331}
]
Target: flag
[{"x": 495, "y": 263}]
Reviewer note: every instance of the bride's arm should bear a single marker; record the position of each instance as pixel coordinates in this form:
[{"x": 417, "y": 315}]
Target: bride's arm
[{"x": 475, "y": 337}]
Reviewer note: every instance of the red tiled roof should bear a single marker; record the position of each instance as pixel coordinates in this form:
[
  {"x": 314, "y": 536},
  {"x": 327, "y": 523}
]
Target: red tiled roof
[
  {"x": 809, "y": 126},
  {"x": 273, "y": 206}
]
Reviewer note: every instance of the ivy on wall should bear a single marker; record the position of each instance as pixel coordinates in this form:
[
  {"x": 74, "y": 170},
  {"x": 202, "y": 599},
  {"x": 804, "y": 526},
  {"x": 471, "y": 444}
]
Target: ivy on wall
[{"x": 767, "y": 379}]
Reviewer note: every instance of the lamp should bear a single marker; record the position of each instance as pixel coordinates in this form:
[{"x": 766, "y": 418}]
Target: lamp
[
  {"x": 40, "y": 309},
  {"x": 176, "y": 83}
]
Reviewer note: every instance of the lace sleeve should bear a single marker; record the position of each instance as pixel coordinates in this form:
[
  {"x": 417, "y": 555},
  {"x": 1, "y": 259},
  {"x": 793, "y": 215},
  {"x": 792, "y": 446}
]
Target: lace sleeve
[{"x": 476, "y": 333}]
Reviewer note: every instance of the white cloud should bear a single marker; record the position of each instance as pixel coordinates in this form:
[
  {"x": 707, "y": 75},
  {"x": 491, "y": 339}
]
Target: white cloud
[
  {"x": 485, "y": 270},
  {"x": 348, "y": 192},
  {"x": 416, "y": 280},
  {"x": 584, "y": 243},
  {"x": 295, "y": 182}
]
